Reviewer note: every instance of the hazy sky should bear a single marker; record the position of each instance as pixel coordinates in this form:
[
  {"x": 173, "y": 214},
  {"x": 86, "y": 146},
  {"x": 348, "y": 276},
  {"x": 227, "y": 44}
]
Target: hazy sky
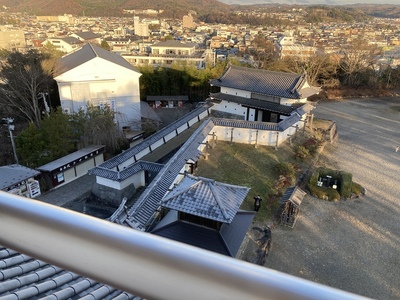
[{"x": 330, "y": 2}]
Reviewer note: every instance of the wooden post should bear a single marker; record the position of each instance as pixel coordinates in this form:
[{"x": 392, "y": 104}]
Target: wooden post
[
  {"x": 256, "y": 145},
  {"x": 311, "y": 121},
  {"x": 231, "y": 136}
]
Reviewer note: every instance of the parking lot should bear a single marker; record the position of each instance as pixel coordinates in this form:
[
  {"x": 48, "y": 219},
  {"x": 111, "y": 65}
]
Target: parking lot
[{"x": 353, "y": 245}]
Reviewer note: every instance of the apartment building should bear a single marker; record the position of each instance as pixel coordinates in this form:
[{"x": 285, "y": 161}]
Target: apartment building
[{"x": 12, "y": 39}]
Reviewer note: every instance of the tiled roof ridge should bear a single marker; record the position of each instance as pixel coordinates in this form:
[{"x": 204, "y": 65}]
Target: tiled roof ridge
[
  {"x": 292, "y": 74},
  {"x": 168, "y": 171},
  {"x": 168, "y": 198},
  {"x": 218, "y": 200},
  {"x": 122, "y": 175},
  {"x": 94, "y": 50},
  {"x": 116, "y": 160}
]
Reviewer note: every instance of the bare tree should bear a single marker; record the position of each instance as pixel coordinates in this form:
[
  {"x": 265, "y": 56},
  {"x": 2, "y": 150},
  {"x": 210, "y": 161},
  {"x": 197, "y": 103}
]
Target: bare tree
[
  {"x": 22, "y": 80},
  {"x": 359, "y": 58}
]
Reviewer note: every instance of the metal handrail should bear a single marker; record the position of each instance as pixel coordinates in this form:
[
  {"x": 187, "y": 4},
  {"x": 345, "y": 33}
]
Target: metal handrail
[{"x": 140, "y": 263}]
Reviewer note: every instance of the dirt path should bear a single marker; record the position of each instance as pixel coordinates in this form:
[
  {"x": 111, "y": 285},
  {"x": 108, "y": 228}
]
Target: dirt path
[{"x": 353, "y": 245}]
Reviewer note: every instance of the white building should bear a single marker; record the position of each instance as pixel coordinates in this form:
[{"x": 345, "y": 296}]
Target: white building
[
  {"x": 260, "y": 95},
  {"x": 92, "y": 75},
  {"x": 64, "y": 44},
  {"x": 168, "y": 52}
]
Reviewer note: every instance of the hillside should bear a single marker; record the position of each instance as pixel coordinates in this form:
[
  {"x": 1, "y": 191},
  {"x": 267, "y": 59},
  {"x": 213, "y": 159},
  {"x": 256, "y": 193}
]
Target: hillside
[{"x": 176, "y": 8}]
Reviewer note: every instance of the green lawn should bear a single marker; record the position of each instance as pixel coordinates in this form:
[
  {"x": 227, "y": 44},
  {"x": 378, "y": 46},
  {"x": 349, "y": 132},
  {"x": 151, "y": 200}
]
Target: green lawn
[{"x": 245, "y": 165}]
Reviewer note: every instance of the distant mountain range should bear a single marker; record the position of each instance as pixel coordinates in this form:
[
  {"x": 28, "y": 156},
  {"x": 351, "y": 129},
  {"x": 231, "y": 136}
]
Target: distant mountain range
[
  {"x": 310, "y": 2},
  {"x": 176, "y": 8}
]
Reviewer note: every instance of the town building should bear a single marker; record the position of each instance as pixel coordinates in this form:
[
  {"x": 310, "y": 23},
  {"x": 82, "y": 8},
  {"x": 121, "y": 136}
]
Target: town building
[
  {"x": 205, "y": 213},
  {"x": 187, "y": 22},
  {"x": 140, "y": 28},
  {"x": 64, "y": 44},
  {"x": 12, "y": 39},
  {"x": 87, "y": 37},
  {"x": 260, "y": 95},
  {"x": 19, "y": 180},
  {"x": 94, "y": 76},
  {"x": 71, "y": 166},
  {"x": 169, "y": 52}
]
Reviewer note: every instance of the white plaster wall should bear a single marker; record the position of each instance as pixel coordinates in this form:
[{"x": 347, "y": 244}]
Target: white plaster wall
[
  {"x": 69, "y": 175},
  {"x": 137, "y": 180},
  {"x": 235, "y": 92},
  {"x": 142, "y": 153},
  {"x": 99, "y": 79},
  {"x": 126, "y": 163},
  {"x": 170, "y": 135},
  {"x": 287, "y": 101},
  {"x": 230, "y": 107},
  {"x": 99, "y": 159},
  {"x": 248, "y": 136},
  {"x": 204, "y": 114},
  {"x": 182, "y": 128},
  {"x": 193, "y": 121},
  {"x": 157, "y": 144},
  {"x": 107, "y": 182},
  {"x": 252, "y": 115}
]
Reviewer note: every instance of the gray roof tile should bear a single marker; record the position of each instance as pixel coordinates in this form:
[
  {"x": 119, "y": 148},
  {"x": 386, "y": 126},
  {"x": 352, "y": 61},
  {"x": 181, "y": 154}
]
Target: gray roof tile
[
  {"x": 206, "y": 198},
  {"x": 127, "y": 172},
  {"x": 88, "y": 52},
  {"x": 14, "y": 174},
  {"x": 124, "y": 156},
  {"x": 280, "y": 84},
  {"x": 63, "y": 161},
  {"x": 293, "y": 194}
]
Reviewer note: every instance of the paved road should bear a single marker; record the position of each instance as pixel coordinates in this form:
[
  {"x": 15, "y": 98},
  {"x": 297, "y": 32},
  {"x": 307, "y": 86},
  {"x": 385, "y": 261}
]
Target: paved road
[{"x": 352, "y": 245}]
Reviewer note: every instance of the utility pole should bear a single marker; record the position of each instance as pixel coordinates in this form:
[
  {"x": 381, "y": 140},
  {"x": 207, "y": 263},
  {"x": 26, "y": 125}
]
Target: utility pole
[{"x": 9, "y": 122}]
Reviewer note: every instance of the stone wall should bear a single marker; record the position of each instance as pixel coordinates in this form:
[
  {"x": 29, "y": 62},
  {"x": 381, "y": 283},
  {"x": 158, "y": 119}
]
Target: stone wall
[{"x": 111, "y": 196}]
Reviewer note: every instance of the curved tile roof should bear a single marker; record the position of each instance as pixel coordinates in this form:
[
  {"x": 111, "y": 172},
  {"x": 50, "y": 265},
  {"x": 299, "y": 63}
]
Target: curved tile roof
[
  {"x": 24, "y": 277},
  {"x": 206, "y": 198},
  {"x": 284, "y": 85}
]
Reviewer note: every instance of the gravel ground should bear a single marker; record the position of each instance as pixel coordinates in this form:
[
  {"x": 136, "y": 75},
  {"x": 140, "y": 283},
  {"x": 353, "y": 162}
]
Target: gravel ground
[{"x": 353, "y": 245}]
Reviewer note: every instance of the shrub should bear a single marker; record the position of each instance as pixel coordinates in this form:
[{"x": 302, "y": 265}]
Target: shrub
[
  {"x": 324, "y": 193},
  {"x": 311, "y": 144},
  {"x": 356, "y": 189},
  {"x": 314, "y": 178},
  {"x": 285, "y": 169},
  {"x": 346, "y": 184},
  {"x": 301, "y": 152}
]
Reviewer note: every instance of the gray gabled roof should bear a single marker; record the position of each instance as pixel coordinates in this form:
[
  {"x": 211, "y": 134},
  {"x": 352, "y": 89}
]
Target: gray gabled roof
[
  {"x": 86, "y": 53},
  {"x": 174, "y": 44},
  {"x": 150, "y": 200},
  {"x": 206, "y": 198},
  {"x": 131, "y": 152},
  {"x": 87, "y": 35},
  {"x": 293, "y": 194},
  {"x": 271, "y": 83},
  {"x": 72, "y": 158},
  {"x": 69, "y": 39},
  {"x": 127, "y": 172},
  {"x": 14, "y": 174}
]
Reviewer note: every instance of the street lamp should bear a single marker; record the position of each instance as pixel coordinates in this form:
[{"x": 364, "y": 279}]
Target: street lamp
[{"x": 10, "y": 125}]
